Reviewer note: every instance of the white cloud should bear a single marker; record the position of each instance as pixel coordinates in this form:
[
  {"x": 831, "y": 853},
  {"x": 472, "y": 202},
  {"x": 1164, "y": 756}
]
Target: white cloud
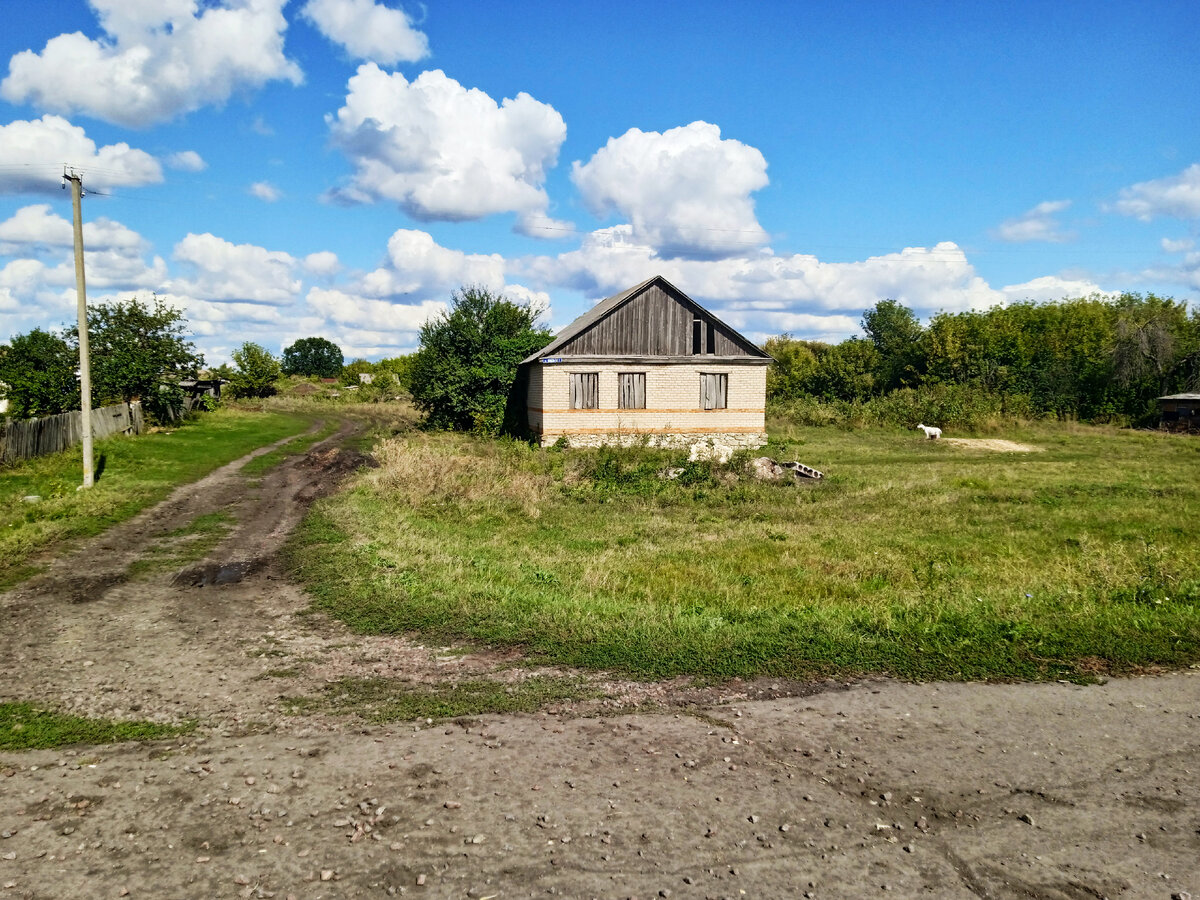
[
  {"x": 1037, "y": 224},
  {"x": 322, "y": 263},
  {"x": 686, "y": 192},
  {"x": 442, "y": 151},
  {"x": 227, "y": 271},
  {"x": 187, "y": 161},
  {"x": 42, "y": 241},
  {"x": 38, "y": 225},
  {"x": 1177, "y": 246},
  {"x": 265, "y": 191},
  {"x": 1050, "y": 288},
  {"x": 1185, "y": 273},
  {"x": 379, "y": 315},
  {"x": 419, "y": 265},
  {"x": 926, "y": 279},
  {"x": 33, "y": 153},
  {"x": 1177, "y": 196},
  {"x": 368, "y": 30},
  {"x": 156, "y": 60}
]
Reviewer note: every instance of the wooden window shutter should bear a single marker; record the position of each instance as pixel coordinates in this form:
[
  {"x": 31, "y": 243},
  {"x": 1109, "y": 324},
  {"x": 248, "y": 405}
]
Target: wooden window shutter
[
  {"x": 631, "y": 390},
  {"x": 584, "y": 390},
  {"x": 714, "y": 390}
]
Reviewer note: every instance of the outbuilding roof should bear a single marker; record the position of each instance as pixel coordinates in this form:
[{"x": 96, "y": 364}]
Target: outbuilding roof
[{"x": 1181, "y": 397}]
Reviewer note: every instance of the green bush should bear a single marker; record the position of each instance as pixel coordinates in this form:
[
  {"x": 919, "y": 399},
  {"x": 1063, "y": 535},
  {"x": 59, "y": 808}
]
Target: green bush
[{"x": 464, "y": 372}]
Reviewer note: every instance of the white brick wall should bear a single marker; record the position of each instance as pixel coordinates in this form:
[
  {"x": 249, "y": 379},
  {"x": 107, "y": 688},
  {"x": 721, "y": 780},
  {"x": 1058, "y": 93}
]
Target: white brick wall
[{"x": 672, "y": 401}]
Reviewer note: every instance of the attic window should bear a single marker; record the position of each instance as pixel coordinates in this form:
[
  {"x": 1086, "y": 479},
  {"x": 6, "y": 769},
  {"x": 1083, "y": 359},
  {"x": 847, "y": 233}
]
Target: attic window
[
  {"x": 704, "y": 337},
  {"x": 697, "y": 336}
]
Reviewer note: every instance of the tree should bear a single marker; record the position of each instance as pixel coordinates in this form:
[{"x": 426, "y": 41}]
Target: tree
[
  {"x": 313, "y": 356},
  {"x": 896, "y": 333},
  {"x": 257, "y": 372},
  {"x": 37, "y": 375},
  {"x": 139, "y": 351},
  {"x": 793, "y": 364},
  {"x": 846, "y": 371},
  {"x": 464, "y": 371}
]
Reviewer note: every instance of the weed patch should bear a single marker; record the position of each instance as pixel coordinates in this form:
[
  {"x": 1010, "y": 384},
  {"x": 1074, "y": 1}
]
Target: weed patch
[
  {"x": 25, "y": 726},
  {"x": 390, "y": 700}
]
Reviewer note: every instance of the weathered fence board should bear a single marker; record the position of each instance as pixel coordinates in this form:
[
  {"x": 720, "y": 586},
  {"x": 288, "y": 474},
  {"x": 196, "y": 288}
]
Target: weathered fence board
[{"x": 27, "y": 438}]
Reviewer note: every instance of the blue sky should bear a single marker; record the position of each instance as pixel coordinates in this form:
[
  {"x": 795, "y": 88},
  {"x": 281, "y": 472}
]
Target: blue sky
[{"x": 337, "y": 167}]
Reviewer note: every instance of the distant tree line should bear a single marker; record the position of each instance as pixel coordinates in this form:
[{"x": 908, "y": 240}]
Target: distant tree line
[{"x": 1097, "y": 359}]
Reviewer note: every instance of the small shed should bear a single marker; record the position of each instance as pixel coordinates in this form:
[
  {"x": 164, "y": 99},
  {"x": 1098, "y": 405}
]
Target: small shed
[
  {"x": 648, "y": 364},
  {"x": 1180, "y": 412},
  {"x": 196, "y": 388}
]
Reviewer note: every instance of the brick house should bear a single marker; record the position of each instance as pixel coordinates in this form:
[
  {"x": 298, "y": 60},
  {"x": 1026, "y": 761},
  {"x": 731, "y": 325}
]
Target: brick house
[{"x": 647, "y": 364}]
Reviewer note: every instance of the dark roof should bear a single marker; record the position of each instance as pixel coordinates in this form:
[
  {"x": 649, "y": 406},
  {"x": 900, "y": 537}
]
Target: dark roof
[
  {"x": 1181, "y": 397},
  {"x": 609, "y": 304}
]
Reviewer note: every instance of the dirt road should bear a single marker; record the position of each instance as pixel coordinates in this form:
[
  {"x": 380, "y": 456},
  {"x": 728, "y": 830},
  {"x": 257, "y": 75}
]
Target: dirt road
[{"x": 944, "y": 790}]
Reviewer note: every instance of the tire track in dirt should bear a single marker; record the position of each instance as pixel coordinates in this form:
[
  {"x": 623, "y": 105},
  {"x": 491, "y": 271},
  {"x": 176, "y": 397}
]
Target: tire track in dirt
[{"x": 93, "y": 636}]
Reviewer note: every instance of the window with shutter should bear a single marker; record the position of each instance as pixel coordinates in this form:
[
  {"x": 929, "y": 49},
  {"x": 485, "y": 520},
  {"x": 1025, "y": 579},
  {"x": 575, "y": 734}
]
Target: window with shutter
[
  {"x": 714, "y": 390},
  {"x": 631, "y": 390},
  {"x": 584, "y": 392}
]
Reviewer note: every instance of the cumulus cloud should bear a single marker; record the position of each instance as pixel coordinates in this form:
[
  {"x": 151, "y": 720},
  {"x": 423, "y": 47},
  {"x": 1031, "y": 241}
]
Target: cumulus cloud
[
  {"x": 1177, "y": 246},
  {"x": 686, "y": 191},
  {"x": 40, "y": 281},
  {"x": 187, "y": 161},
  {"x": 33, "y": 153},
  {"x": 227, "y": 271},
  {"x": 323, "y": 263},
  {"x": 441, "y": 151},
  {"x": 417, "y": 264},
  {"x": 381, "y": 315},
  {"x": 1050, "y": 288},
  {"x": 156, "y": 60},
  {"x": 1177, "y": 196},
  {"x": 265, "y": 191},
  {"x": 924, "y": 278},
  {"x": 1037, "y": 224},
  {"x": 368, "y": 30},
  {"x": 38, "y": 225}
]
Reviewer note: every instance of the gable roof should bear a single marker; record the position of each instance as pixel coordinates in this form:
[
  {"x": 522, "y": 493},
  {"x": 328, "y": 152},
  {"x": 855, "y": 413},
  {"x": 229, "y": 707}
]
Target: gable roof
[{"x": 611, "y": 304}]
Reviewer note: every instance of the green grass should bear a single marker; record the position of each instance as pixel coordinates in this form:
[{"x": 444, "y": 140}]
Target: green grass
[
  {"x": 912, "y": 558},
  {"x": 24, "y": 726},
  {"x": 391, "y": 700},
  {"x": 138, "y": 472}
]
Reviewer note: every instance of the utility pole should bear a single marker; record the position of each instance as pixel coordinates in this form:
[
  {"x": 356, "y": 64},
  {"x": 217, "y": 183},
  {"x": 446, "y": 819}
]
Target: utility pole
[{"x": 85, "y": 363}]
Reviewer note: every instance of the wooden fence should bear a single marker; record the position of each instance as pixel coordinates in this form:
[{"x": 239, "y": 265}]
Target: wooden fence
[{"x": 26, "y": 438}]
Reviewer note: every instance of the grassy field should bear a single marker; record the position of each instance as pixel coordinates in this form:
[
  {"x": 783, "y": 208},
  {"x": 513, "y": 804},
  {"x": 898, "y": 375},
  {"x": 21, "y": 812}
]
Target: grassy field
[
  {"x": 912, "y": 558},
  {"x": 137, "y": 472}
]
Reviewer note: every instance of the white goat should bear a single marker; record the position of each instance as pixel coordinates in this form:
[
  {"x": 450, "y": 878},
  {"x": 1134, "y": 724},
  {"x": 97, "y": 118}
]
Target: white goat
[{"x": 930, "y": 432}]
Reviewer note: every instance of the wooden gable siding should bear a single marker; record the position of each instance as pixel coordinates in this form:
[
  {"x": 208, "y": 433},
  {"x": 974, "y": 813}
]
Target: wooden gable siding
[{"x": 654, "y": 323}]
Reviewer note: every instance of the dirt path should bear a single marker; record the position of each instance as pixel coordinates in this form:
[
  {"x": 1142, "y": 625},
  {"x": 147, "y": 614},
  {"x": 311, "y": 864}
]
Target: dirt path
[{"x": 1043, "y": 791}]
